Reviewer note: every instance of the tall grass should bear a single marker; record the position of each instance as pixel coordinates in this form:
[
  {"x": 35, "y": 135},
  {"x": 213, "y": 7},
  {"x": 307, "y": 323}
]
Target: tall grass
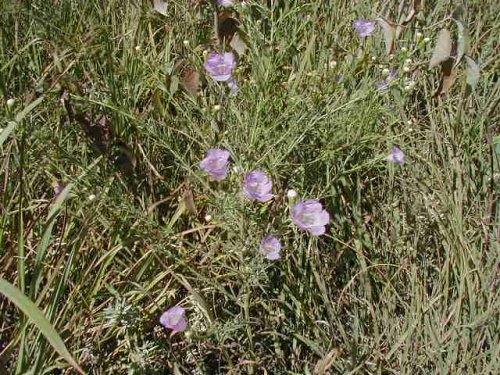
[{"x": 406, "y": 280}]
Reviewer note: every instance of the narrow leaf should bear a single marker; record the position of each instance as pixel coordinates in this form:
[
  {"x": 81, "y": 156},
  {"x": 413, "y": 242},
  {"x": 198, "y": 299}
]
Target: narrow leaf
[
  {"x": 38, "y": 318},
  {"x": 442, "y": 51},
  {"x": 472, "y": 72}
]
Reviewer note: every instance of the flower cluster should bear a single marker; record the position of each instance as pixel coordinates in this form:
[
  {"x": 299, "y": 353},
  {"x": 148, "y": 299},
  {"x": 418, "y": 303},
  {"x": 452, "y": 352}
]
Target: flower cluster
[
  {"x": 308, "y": 215},
  {"x": 257, "y": 185}
]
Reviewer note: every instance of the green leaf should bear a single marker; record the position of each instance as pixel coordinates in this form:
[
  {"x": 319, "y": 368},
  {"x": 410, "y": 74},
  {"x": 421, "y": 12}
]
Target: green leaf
[
  {"x": 442, "y": 51},
  {"x": 38, "y": 318},
  {"x": 472, "y": 72},
  {"x": 19, "y": 117}
]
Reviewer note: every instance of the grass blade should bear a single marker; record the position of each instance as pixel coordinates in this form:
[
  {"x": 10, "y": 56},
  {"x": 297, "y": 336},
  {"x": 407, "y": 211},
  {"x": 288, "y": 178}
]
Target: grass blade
[{"x": 37, "y": 317}]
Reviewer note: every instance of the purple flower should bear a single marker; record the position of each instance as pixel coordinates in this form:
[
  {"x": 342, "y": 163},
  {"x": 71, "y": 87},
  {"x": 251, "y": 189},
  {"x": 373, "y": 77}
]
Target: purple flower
[
  {"x": 384, "y": 84},
  {"x": 216, "y": 163},
  {"x": 258, "y": 186},
  {"x": 397, "y": 156},
  {"x": 174, "y": 319},
  {"x": 310, "y": 215},
  {"x": 225, "y": 3},
  {"x": 364, "y": 28},
  {"x": 271, "y": 247},
  {"x": 220, "y": 65},
  {"x": 233, "y": 86}
]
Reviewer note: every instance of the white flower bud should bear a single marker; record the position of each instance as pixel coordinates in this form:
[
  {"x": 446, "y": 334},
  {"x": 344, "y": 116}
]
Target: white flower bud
[
  {"x": 291, "y": 193},
  {"x": 10, "y": 102}
]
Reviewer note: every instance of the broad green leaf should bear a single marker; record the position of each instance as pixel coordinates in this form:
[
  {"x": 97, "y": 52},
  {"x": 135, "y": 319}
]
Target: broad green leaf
[
  {"x": 472, "y": 72},
  {"x": 38, "y": 318},
  {"x": 45, "y": 240},
  {"x": 442, "y": 51}
]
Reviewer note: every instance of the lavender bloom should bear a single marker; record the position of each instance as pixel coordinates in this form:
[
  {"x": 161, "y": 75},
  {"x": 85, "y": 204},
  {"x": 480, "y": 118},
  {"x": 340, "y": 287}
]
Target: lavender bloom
[
  {"x": 364, "y": 28},
  {"x": 397, "y": 156},
  {"x": 258, "y": 186},
  {"x": 220, "y": 65},
  {"x": 225, "y": 3},
  {"x": 216, "y": 163},
  {"x": 384, "y": 84},
  {"x": 233, "y": 86},
  {"x": 174, "y": 319},
  {"x": 310, "y": 216},
  {"x": 271, "y": 247}
]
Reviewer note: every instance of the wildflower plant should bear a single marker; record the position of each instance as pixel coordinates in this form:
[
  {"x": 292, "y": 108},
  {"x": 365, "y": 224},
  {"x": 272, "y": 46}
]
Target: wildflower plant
[{"x": 264, "y": 291}]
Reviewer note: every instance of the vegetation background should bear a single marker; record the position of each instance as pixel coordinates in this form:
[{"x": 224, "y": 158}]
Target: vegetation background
[{"x": 405, "y": 281}]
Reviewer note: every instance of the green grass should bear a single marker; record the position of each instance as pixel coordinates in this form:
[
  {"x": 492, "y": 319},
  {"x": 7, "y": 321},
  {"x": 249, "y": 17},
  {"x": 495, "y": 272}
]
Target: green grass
[{"x": 406, "y": 279}]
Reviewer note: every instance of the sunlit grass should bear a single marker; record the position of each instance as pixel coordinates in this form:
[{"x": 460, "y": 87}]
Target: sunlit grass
[{"x": 405, "y": 279}]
